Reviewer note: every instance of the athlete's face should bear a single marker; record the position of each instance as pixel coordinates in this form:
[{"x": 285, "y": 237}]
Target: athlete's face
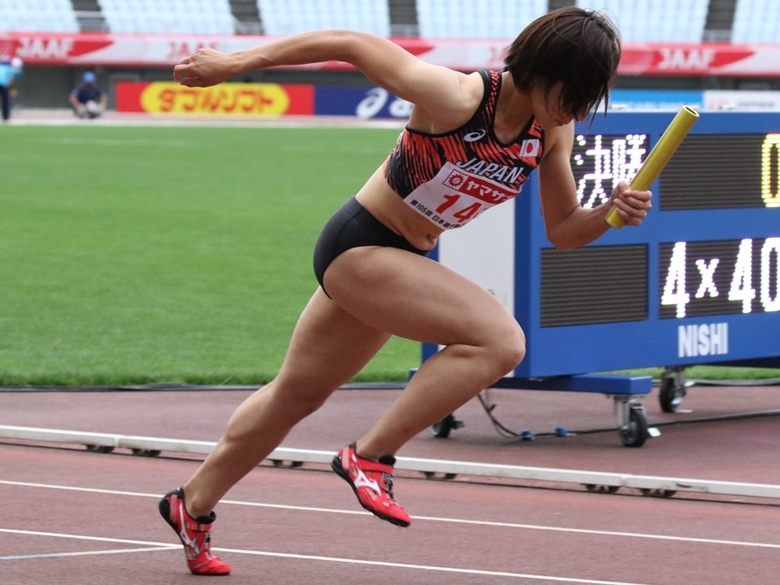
[{"x": 547, "y": 107}]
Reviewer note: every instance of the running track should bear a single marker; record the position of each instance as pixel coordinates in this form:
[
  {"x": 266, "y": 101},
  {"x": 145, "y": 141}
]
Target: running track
[{"x": 76, "y": 517}]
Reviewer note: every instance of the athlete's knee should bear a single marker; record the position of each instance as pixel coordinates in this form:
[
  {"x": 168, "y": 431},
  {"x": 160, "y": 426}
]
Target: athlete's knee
[
  {"x": 299, "y": 401},
  {"x": 507, "y": 348},
  {"x": 499, "y": 351},
  {"x": 305, "y": 406}
]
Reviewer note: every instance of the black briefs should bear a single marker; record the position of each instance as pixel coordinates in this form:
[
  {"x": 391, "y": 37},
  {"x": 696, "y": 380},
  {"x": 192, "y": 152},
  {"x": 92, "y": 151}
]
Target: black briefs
[{"x": 352, "y": 226}]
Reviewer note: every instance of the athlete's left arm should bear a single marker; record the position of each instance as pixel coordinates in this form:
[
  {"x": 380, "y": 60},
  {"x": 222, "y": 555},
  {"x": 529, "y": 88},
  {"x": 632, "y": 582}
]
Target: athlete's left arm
[{"x": 567, "y": 224}]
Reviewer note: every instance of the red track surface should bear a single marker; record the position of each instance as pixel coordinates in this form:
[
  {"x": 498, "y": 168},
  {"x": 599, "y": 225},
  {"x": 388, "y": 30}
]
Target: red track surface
[{"x": 65, "y": 509}]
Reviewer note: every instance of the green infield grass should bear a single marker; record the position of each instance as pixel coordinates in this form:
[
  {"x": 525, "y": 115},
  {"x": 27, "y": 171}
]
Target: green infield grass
[
  {"x": 134, "y": 255},
  {"x": 138, "y": 255}
]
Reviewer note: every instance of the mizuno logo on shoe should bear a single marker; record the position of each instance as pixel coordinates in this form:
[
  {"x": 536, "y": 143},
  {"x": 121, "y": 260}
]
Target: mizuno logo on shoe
[
  {"x": 362, "y": 481},
  {"x": 185, "y": 538}
]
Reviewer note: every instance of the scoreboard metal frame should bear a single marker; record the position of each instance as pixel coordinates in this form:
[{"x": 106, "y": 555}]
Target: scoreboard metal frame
[{"x": 697, "y": 283}]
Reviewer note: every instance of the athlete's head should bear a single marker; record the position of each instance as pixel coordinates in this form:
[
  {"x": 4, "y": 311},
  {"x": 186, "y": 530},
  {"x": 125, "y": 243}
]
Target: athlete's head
[{"x": 578, "y": 48}]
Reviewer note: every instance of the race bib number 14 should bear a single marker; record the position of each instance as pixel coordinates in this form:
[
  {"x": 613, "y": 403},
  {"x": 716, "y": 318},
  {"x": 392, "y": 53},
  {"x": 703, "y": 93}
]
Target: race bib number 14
[{"x": 454, "y": 197}]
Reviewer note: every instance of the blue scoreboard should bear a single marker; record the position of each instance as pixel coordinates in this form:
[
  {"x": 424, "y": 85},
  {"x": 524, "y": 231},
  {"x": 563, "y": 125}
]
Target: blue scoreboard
[{"x": 697, "y": 283}]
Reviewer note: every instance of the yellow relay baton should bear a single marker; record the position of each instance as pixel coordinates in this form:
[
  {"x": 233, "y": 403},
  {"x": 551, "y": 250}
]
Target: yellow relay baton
[{"x": 659, "y": 156}]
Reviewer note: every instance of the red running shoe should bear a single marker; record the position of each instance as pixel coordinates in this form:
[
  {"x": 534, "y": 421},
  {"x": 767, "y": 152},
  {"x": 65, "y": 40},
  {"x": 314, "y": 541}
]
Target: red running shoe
[
  {"x": 372, "y": 482},
  {"x": 194, "y": 533}
]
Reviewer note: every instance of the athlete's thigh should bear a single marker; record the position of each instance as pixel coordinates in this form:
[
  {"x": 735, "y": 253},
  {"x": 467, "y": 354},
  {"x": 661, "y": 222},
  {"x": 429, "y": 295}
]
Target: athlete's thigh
[
  {"x": 328, "y": 347},
  {"x": 414, "y": 297}
]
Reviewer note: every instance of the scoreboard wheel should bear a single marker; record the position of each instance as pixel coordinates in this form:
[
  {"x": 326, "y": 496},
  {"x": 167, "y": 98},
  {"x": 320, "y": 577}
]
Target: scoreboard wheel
[{"x": 634, "y": 434}]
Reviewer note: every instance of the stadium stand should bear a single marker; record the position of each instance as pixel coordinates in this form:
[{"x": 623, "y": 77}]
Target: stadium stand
[
  {"x": 247, "y": 15},
  {"x": 160, "y": 16},
  {"x": 38, "y": 15},
  {"x": 685, "y": 21},
  {"x": 720, "y": 18},
  {"x": 756, "y": 21},
  {"x": 656, "y": 21},
  {"x": 403, "y": 18},
  {"x": 484, "y": 19},
  {"x": 295, "y": 16},
  {"x": 89, "y": 16}
]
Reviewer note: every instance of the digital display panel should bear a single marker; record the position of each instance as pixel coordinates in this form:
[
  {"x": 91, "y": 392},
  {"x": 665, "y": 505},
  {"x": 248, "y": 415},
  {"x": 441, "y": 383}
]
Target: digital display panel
[
  {"x": 719, "y": 277},
  {"x": 573, "y": 290},
  {"x": 601, "y": 161},
  {"x": 720, "y": 171}
]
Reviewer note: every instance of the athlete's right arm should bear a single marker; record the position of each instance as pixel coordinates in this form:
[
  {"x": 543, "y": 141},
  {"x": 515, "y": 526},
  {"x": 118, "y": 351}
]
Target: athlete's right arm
[{"x": 440, "y": 91}]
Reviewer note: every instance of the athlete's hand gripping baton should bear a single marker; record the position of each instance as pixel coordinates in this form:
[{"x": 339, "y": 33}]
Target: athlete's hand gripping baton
[{"x": 659, "y": 156}]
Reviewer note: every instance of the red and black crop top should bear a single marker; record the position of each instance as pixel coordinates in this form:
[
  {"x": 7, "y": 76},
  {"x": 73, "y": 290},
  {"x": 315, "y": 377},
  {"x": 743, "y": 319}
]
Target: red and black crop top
[{"x": 451, "y": 178}]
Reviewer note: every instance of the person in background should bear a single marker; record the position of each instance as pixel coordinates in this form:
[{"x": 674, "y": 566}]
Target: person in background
[
  {"x": 17, "y": 65},
  {"x": 87, "y": 99},
  {"x": 10, "y": 73}
]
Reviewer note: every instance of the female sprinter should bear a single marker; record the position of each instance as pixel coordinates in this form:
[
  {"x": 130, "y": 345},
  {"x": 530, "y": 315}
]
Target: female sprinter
[{"x": 471, "y": 141}]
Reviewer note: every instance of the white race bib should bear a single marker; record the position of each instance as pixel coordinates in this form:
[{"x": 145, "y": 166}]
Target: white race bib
[{"x": 454, "y": 197}]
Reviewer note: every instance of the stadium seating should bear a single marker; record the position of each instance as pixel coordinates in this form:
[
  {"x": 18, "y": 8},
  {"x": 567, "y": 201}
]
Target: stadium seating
[
  {"x": 480, "y": 19},
  {"x": 38, "y": 15},
  {"x": 162, "y": 16},
  {"x": 294, "y": 16},
  {"x": 684, "y": 21},
  {"x": 679, "y": 21},
  {"x": 756, "y": 21}
]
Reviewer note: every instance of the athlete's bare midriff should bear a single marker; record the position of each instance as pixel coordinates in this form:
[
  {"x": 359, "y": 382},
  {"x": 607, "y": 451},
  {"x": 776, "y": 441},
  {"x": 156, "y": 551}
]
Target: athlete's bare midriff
[{"x": 385, "y": 205}]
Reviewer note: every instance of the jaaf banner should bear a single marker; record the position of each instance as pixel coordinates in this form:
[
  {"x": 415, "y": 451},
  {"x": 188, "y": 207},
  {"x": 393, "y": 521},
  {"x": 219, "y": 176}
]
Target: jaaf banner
[{"x": 155, "y": 50}]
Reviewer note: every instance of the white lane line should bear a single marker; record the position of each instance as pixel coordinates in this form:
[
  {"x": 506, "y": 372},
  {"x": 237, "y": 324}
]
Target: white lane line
[
  {"x": 91, "y": 538},
  {"x": 487, "y": 523},
  {"x": 428, "y": 568},
  {"x": 163, "y": 546},
  {"x": 86, "y": 553}
]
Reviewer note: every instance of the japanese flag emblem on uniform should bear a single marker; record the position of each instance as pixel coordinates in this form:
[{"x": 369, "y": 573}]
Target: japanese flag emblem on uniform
[{"x": 530, "y": 147}]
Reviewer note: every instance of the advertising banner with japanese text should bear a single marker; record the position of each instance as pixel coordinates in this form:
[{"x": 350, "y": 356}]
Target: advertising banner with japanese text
[{"x": 233, "y": 99}]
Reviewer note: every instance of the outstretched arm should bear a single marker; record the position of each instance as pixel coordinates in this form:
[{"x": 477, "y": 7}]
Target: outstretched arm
[{"x": 435, "y": 89}]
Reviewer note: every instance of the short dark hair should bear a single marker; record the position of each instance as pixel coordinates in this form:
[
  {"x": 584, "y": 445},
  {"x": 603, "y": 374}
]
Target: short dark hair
[{"x": 576, "y": 47}]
